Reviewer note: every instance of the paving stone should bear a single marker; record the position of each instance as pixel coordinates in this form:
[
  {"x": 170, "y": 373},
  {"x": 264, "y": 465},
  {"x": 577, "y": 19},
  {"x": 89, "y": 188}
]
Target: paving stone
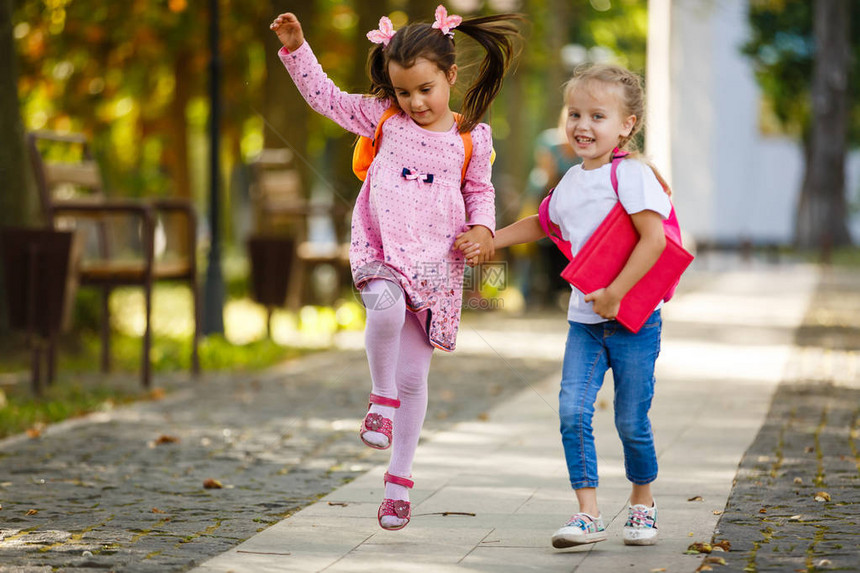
[
  {"x": 810, "y": 433},
  {"x": 277, "y": 441}
]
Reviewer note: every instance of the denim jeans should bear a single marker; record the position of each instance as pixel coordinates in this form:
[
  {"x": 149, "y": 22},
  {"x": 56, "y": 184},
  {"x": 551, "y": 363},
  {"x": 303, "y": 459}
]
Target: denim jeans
[{"x": 590, "y": 351}]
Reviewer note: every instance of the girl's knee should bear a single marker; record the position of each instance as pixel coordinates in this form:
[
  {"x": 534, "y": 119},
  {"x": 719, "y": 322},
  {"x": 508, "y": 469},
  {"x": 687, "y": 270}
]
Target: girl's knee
[
  {"x": 633, "y": 428},
  {"x": 574, "y": 416}
]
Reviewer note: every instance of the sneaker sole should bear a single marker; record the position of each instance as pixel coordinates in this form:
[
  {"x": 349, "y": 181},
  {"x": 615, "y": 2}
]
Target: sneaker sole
[
  {"x": 642, "y": 541},
  {"x": 562, "y": 542}
]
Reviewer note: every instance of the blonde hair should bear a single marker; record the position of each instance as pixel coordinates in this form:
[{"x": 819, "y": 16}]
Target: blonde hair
[{"x": 632, "y": 98}]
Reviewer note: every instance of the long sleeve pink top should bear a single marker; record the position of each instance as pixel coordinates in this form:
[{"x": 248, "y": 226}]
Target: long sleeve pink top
[{"x": 404, "y": 227}]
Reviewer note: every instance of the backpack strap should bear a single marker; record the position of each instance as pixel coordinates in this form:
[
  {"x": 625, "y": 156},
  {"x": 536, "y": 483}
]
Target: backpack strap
[
  {"x": 551, "y": 229},
  {"x": 392, "y": 110},
  {"x": 467, "y": 148},
  {"x": 617, "y": 156}
]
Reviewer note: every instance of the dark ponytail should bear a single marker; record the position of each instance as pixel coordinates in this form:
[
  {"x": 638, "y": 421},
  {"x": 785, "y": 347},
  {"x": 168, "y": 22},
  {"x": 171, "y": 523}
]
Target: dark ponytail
[{"x": 495, "y": 34}]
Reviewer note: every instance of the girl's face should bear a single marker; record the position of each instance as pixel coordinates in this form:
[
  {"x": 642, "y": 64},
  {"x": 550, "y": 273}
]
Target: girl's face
[
  {"x": 423, "y": 91},
  {"x": 596, "y": 122}
]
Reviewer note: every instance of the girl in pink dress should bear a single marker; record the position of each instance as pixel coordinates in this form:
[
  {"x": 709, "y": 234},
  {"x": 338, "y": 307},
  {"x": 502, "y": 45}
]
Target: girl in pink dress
[{"x": 417, "y": 197}]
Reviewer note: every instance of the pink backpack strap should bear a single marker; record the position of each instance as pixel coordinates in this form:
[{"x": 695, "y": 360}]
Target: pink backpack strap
[
  {"x": 551, "y": 229},
  {"x": 617, "y": 156}
]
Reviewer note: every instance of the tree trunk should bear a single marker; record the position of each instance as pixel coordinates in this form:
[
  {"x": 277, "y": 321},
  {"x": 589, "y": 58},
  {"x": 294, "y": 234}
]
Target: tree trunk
[
  {"x": 15, "y": 205},
  {"x": 285, "y": 112},
  {"x": 821, "y": 213},
  {"x": 556, "y": 73},
  {"x": 346, "y": 185}
]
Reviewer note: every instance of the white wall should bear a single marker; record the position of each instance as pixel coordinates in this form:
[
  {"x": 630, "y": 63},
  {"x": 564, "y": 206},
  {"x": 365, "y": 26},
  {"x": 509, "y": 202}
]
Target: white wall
[{"x": 731, "y": 183}]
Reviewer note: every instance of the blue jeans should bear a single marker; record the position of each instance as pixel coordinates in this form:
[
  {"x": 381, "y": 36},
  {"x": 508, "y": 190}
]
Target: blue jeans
[{"x": 590, "y": 351}]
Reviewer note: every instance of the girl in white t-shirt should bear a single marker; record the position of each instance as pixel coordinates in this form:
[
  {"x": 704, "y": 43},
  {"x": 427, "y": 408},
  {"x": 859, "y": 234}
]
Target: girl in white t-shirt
[{"x": 605, "y": 105}]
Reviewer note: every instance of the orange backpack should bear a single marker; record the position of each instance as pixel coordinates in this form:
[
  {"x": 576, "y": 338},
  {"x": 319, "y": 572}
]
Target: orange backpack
[{"x": 366, "y": 148}]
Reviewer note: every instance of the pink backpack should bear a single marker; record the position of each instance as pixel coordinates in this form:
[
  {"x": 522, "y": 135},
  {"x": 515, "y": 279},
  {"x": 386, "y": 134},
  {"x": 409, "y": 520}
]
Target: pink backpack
[{"x": 670, "y": 225}]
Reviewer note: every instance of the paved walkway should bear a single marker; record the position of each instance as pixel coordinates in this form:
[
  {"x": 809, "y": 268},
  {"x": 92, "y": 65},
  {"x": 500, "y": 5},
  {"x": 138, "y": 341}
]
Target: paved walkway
[
  {"x": 490, "y": 476},
  {"x": 489, "y": 493}
]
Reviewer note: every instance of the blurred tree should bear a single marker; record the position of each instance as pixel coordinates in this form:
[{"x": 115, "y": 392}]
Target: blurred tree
[
  {"x": 807, "y": 63},
  {"x": 286, "y": 116},
  {"x": 17, "y": 184},
  {"x": 423, "y": 10}
]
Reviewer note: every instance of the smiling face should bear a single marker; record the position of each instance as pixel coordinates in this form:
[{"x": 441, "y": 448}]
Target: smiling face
[
  {"x": 596, "y": 121},
  {"x": 423, "y": 91}
]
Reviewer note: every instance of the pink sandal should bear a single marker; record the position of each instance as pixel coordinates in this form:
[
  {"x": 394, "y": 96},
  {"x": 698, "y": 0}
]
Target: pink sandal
[
  {"x": 377, "y": 422},
  {"x": 395, "y": 507}
]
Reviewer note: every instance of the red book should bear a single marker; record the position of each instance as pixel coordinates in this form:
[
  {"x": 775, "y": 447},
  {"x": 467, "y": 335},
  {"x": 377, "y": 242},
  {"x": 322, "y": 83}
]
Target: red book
[{"x": 605, "y": 253}]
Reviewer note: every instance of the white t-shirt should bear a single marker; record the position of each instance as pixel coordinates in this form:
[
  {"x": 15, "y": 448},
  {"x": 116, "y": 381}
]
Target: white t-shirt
[{"x": 582, "y": 200}]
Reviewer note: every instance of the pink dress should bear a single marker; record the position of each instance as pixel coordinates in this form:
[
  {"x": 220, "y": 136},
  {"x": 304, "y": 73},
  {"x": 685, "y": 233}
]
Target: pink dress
[{"x": 403, "y": 225}]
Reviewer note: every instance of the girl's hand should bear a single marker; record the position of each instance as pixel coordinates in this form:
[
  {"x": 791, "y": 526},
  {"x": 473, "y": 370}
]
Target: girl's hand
[
  {"x": 606, "y": 304},
  {"x": 476, "y": 244},
  {"x": 289, "y": 31}
]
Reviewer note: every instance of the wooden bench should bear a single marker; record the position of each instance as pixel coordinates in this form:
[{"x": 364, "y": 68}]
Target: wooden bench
[
  {"x": 281, "y": 209},
  {"x": 120, "y": 239}
]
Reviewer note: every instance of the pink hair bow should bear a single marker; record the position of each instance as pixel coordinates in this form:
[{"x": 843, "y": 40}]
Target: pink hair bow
[
  {"x": 446, "y": 23},
  {"x": 384, "y": 34}
]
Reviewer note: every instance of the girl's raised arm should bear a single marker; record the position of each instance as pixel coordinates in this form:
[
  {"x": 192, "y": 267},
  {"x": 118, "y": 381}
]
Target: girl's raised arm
[{"x": 354, "y": 112}]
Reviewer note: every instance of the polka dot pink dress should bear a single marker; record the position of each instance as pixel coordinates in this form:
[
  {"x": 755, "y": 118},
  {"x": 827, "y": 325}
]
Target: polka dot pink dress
[{"x": 412, "y": 204}]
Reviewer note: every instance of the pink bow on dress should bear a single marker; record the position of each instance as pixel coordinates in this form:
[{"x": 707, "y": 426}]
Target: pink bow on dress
[
  {"x": 384, "y": 34},
  {"x": 446, "y": 23}
]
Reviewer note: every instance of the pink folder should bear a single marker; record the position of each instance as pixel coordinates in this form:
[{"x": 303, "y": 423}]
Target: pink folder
[{"x": 605, "y": 253}]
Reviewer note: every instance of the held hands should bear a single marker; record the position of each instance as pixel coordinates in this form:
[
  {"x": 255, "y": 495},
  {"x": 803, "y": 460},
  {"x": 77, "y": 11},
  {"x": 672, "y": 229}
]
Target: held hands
[
  {"x": 476, "y": 244},
  {"x": 606, "y": 304},
  {"x": 289, "y": 31}
]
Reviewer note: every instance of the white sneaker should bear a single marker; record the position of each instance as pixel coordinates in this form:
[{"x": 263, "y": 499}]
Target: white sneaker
[
  {"x": 641, "y": 526},
  {"x": 580, "y": 529}
]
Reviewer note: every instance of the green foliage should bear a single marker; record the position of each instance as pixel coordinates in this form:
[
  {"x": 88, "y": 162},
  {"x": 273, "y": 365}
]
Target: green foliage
[{"x": 782, "y": 48}]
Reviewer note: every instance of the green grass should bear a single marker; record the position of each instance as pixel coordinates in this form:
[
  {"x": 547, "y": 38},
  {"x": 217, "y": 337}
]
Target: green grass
[
  {"x": 59, "y": 402},
  {"x": 81, "y": 389}
]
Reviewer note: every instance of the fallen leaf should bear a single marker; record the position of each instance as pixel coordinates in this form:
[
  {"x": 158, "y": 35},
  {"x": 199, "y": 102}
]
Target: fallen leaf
[
  {"x": 798, "y": 481},
  {"x": 717, "y": 560},
  {"x": 35, "y": 432},
  {"x": 705, "y": 567},
  {"x": 165, "y": 439},
  {"x": 718, "y": 512},
  {"x": 32, "y": 511},
  {"x": 809, "y": 449},
  {"x": 212, "y": 484},
  {"x": 338, "y": 503},
  {"x": 795, "y": 518},
  {"x": 699, "y": 547},
  {"x": 763, "y": 510},
  {"x": 660, "y": 570},
  {"x": 156, "y": 510},
  {"x": 696, "y": 498},
  {"x": 822, "y": 496},
  {"x": 483, "y": 417},
  {"x": 724, "y": 545},
  {"x": 824, "y": 563},
  {"x": 156, "y": 394}
]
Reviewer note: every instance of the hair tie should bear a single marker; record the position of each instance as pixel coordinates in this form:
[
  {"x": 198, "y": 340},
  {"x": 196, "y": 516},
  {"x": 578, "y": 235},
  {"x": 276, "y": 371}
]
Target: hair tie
[
  {"x": 384, "y": 34},
  {"x": 446, "y": 23}
]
